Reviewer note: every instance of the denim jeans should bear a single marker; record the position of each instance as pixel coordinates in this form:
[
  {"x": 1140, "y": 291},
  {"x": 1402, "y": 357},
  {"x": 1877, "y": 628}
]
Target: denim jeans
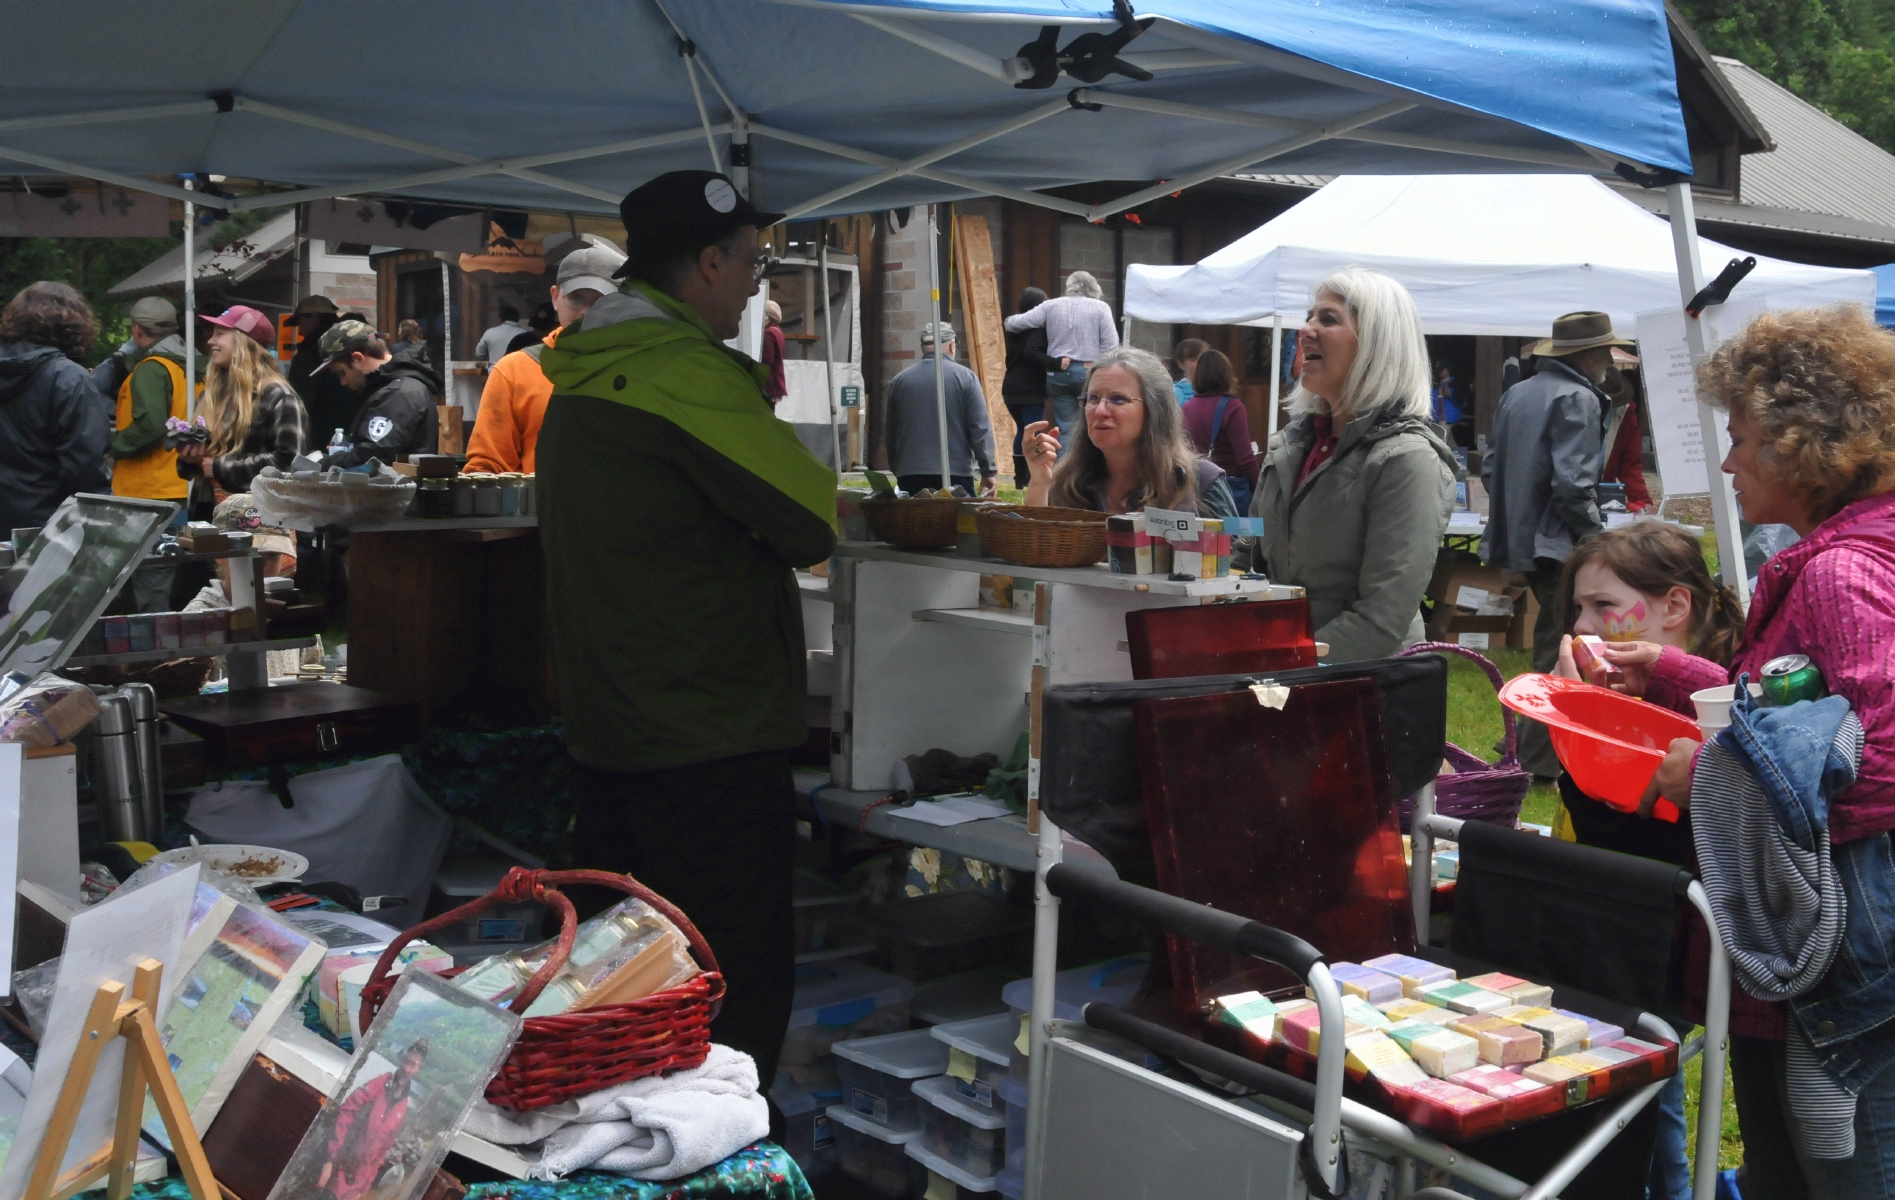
[
  {"x": 1671, "y": 1174},
  {"x": 1063, "y": 392}
]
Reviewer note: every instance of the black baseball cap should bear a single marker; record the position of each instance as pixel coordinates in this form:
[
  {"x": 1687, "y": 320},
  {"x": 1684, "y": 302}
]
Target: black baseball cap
[{"x": 683, "y": 208}]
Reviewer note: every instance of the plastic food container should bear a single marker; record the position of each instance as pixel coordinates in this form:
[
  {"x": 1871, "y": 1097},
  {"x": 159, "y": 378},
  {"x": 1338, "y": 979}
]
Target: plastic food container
[
  {"x": 871, "y": 1153},
  {"x": 1115, "y": 983},
  {"x": 878, "y": 1075},
  {"x": 1610, "y": 743},
  {"x": 827, "y": 917},
  {"x": 960, "y": 997},
  {"x": 808, "y": 1133},
  {"x": 980, "y": 1054},
  {"x": 931, "y": 936},
  {"x": 838, "y": 1001},
  {"x": 939, "y": 1179},
  {"x": 1011, "y": 1184},
  {"x": 966, "y": 1136},
  {"x": 1013, "y": 1094}
]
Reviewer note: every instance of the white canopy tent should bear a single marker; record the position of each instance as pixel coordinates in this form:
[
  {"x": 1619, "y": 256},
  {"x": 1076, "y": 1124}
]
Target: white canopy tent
[
  {"x": 1489, "y": 254},
  {"x": 1481, "y": 254}
]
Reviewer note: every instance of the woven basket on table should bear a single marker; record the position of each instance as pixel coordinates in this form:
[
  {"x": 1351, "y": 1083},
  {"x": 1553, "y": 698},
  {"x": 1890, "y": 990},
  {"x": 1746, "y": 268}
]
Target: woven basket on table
[
  {"x": 914, "y": 523},
  {"x": 1043, "y": 537},
  {"x": 1477, "y": 790},
  {"x": 577, "y": 1053}
]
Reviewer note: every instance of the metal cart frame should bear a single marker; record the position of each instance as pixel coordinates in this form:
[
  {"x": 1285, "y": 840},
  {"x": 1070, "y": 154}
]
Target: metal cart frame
[{"x": 1279, "y": 1159}]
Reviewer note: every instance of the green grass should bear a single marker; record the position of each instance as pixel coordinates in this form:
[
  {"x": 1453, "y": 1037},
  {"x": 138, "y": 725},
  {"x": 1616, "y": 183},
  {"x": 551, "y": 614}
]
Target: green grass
[{"x": 1474, "y": 724}]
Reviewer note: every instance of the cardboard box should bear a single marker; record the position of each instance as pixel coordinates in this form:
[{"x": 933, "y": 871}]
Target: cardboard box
[
  {"x": 1525, "y": 614},
  {"x": 1460, "y": 588}
]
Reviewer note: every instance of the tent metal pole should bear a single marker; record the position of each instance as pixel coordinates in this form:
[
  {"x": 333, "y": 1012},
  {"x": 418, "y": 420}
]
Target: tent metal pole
[
  {"x": 829, "y": 347},
  {"x": 703, "y": 114},
  {"x": 1730, "y": 545},
  {"x": 740, "y": 154},
  {"x": 1031, "y": 116},
  {"x": 447, "y": 332},
  {"x": 1171, "y": 108},
  {"x": 934, "y": 326},
  {"x": 111, "y": 116},
  {"x": 190, "y": 304},
  {"x": 130, "y": 183},
  {"x": 971, "y": 185},
  {"x": 1276, "y": 376},
  {"x": 1321, "y": 133}
]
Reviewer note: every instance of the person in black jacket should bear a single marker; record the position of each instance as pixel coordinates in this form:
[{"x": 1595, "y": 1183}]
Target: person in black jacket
[
  {"x": 398, "y": 415},
  {"x": 53, "y": 428},
  {"x": 1023, "y": 389}
]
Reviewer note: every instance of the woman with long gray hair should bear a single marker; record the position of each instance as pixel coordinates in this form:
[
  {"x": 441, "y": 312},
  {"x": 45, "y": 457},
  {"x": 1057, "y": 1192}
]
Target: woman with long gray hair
[
  {"x": 1355, "y": 492},
  {"x": 1130, "y": 452}
]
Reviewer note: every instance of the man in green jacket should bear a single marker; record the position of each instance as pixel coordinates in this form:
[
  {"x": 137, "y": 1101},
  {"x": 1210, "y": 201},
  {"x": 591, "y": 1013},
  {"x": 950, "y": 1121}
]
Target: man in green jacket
[{"x": 672, "y": 506}]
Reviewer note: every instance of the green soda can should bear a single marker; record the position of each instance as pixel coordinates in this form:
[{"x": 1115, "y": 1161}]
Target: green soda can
[{"x": 1791, "y": 678}]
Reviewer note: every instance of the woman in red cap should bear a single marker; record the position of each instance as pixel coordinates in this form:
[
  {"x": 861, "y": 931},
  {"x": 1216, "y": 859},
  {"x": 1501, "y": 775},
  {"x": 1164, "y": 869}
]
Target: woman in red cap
[{"x": 255, "y": 419}]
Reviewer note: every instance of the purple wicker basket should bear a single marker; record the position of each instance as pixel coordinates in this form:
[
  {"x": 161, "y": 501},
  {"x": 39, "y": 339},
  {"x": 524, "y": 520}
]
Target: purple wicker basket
[{"x": 1477, "y": 790}]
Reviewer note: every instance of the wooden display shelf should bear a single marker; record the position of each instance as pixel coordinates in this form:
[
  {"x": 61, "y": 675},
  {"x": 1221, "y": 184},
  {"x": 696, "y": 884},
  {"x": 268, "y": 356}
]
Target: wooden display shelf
[
  {"x": 166, "y": 654},
  {"x": 1001, "y": 620}
]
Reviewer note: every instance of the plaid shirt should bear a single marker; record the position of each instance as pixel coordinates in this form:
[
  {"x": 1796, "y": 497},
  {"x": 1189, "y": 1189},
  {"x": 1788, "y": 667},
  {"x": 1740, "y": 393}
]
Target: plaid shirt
[{"x": 279, "y": 430}]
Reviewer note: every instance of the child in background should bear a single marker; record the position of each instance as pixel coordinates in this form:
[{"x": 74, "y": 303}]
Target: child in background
[{"x": 1644, "y": 582}]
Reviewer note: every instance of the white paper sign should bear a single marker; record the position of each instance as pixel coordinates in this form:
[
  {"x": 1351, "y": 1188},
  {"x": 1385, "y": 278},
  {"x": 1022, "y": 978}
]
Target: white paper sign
[
  {"x": 103, "y": 943},
  {"x": 1472, "y": 597},
  {"x": 1474, "y": 641},
  {"x": 1671, "y": 388}
]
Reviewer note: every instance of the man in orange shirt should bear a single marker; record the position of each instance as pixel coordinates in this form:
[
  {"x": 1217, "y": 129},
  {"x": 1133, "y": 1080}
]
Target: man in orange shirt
[{"x": 513, "y": 403}]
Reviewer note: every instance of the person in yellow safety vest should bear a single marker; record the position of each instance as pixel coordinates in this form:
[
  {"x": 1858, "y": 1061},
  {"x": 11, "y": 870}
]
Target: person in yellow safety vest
[{"x": 154, "y": 390}]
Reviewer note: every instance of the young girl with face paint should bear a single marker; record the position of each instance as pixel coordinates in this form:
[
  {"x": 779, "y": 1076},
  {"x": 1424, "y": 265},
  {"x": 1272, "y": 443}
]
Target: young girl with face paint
[{"x": 1644, "y": 582}]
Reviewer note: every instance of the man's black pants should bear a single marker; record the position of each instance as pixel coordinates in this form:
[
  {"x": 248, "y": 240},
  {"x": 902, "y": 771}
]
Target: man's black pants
[{"x": 716, "y": 839}]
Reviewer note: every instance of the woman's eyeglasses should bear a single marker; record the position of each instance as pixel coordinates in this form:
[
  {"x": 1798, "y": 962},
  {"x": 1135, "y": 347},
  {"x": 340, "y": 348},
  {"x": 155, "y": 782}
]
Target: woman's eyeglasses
[{"x": 1113, "y": 399}]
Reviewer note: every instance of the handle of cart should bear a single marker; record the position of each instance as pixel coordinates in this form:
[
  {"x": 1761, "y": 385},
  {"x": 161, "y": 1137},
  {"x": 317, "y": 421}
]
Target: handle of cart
[{"x": 1322, "y": 1158}]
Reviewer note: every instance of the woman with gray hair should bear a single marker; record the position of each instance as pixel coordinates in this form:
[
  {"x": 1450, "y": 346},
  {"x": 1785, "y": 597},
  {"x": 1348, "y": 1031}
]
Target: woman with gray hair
[
  {"x": 1079, "y": 331},
  {"x": 1131, "y": 452},
  {"x": 1356, "y": 491}
]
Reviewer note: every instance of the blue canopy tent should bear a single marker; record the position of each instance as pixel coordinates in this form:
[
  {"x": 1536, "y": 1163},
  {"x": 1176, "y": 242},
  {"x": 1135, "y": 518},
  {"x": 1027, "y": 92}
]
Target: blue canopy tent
[
  {"x": 1885, "y": 295},
  {"x": 822, "y": 107}
]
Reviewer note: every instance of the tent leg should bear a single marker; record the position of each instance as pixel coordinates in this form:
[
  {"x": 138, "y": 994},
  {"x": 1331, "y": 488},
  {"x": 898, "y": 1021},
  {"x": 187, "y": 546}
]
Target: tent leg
[
  {"x": 1276, "y": 375},
  {"x": 829, "y": 347},
  {"x": 447, "y": 333},
  {"x": 190, "y": 305},
  {"x": 1730, "y": 544},
  {"x": 934, "y": 319}
]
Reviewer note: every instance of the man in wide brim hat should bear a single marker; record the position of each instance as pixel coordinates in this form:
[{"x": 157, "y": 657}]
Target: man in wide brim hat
[{"x": 1541, "y": 473}]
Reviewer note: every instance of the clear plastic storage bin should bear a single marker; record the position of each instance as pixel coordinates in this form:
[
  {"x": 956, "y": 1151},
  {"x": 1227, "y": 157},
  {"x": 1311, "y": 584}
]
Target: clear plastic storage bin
[
  {"x": 1011, "y": 1184},
  {"x": 943, "y": 934},
  {"x": 878, "y": 1075},
  {"x": 939, "y": 1179},
  {"x": 828, "y": 918},
  {"x": 838, "y": 1001},
  {"x": 1115, "y": 983},
  {"x": 979, "y": 1056},
  {"x": 961, "y": 997},
  {"x": 808, "y": 1134},
  {"x": 1013, "y": 1094},
  {"x": 969, "y": 1137},
  {"x": 873, "y": 1154}
]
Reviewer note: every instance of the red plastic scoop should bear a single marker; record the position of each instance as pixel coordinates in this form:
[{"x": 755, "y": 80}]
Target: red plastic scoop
[{"x": 1610, "y": 743}]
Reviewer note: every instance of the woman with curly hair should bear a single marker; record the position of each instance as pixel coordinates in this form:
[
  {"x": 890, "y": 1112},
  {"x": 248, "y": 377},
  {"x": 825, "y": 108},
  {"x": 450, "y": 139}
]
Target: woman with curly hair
[
  {"x": 1811, "y": 397},
  {"x": 54, "y": 425}
]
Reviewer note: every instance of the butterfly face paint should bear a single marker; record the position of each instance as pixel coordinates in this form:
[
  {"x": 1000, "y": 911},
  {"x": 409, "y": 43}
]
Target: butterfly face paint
[{"x": 1625, "y": 625}]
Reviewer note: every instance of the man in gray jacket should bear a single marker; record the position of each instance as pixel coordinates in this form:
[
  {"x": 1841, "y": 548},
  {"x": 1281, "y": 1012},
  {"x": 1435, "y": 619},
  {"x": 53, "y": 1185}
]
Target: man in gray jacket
[
  {"x": 912, "y": 428},
  {"x": 1540, "y": 477}
]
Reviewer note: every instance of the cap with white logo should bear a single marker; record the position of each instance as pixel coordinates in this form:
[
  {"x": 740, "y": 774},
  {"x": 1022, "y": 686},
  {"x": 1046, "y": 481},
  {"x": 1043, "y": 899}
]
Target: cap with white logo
[{"x": 692, "y": 209}]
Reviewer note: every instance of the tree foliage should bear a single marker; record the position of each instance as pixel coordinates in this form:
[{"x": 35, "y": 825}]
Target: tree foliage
[{"x": 1837, "y": 54}]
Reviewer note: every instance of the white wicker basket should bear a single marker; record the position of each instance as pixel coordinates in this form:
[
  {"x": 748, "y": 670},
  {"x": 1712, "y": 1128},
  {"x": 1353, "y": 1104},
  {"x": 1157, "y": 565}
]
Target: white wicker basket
[{"x": 283, "y": 501}]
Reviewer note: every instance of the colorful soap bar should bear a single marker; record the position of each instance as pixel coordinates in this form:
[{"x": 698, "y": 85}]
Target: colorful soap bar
[
  {"x": 1562, "y": 1035},
  {"x": 1463, "y": 997},
  {"x": 1377, "y": 1055},
  {"x": 1598, "y": 1033},
  {"x": 1251, "y": 1012},
  {"x": 1414, "y": 973},
  {"x": 1302, "y": 1029},
  {"x": 1408, "y": 1010},
  {"x": 1525, "y": 1098},
  {"x": 1449, "y": 1109},
  {"x": 1512, "y": 986},
  {"x": 1371, "y": 985},
  {"x": 1355, "y": 1008},
  {"x": 1556, "y": 1071},
  {"x": 1284, "y": 1008},
  {"x": 1520, "y": 1014},
  {"x": 1405, "y": 1032},
  {"x": 1502, "y": 1043},
  {"x": 1445, "y": 1053}
]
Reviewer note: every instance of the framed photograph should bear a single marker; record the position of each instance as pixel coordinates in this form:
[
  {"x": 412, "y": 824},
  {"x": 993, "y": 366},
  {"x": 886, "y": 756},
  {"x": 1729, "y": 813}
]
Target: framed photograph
[
  {"x": 250, "y": 969},
  {"x": 414, "y": 1076}
]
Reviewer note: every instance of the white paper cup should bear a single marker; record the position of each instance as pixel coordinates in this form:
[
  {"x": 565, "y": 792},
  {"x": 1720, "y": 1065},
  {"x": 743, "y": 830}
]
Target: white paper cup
[{"x": 1714, "y": 703}]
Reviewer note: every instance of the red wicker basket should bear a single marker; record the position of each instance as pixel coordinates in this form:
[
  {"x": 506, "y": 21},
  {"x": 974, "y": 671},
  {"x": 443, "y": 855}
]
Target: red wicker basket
[{"x": 578, "y": 1053}]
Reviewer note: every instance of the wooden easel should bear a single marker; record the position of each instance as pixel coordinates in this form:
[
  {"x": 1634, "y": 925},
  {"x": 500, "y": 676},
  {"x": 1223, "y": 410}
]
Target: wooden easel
[{"x": 145, "y": 1066}]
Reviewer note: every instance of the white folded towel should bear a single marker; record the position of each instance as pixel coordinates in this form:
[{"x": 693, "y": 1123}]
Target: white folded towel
[{"x": 658, "y": 1128}]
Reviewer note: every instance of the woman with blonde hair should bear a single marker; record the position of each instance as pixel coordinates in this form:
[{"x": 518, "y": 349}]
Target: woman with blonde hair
[
  {"x": 1355, "y": 492},
  {"x": 1130, "y": 451},
  {"x": 254, "y": 418}
]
